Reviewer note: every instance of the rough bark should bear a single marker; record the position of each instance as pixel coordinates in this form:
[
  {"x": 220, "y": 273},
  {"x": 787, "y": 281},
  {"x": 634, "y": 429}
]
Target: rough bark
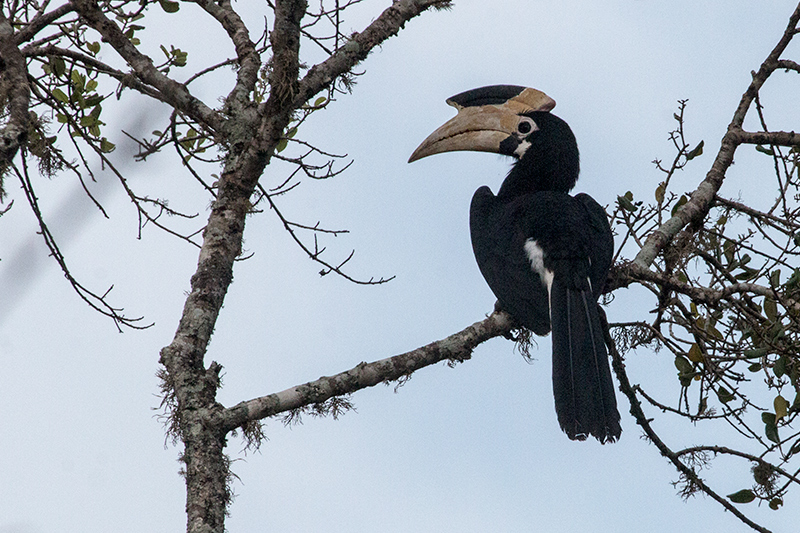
[
  {"x": 252, "y": 138},
  {"x": 456, "y": 347},
  {"x": 14, "y": 86},
  {"x": 696, "y": 209}
]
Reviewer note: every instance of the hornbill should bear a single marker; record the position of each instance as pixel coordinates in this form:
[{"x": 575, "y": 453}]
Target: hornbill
[{"x": 545, "y": 254}]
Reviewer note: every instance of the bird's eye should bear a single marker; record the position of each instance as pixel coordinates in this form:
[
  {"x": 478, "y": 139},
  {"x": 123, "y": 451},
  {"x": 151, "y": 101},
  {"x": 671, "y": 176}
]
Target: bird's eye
[{"x": 526, "y": 125}]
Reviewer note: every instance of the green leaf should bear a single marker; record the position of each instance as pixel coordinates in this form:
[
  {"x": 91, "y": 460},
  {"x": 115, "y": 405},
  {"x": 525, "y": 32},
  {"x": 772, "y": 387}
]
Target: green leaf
[
  {"x": 754, "y": 353},
  {"x": 765, "y": 150},
  {"x": 683, "y": 365},
  {"x": 682, "y": 200},
  {"x": 743, "y": 496},
  {"x": 696, "y": 151},
  {"x": 781, "y": 405},
  {"x": 319, "y": 101},
  {"x": 728, "y": 249},
  {"x": 179, "y": 58},
  {"x": 78, "y": 81},
  {"x": 771, "y": 431},
  {"x": 94, "y": 47},
  {"x": 777, "y": 331},
  {"x": 774, "y": 503},
  {"x": 780, "y": 367},
  {"x": 770, "y": 427},
  {"x": 694, "y": 354},
  {"x": 626, "y": 204},
  {"x": 169, "y": 6},
  {"x": 755, "y": 367},
  {"x": 795, "y": 448},
  {"x": 746, "y": 274},
  {"x": 775, "y": 277},
  {"x": 88, "y": 121},
  {"x": 106, "y": 146},
  {"x": 59, "y": 95},
  {"x": 660, "y": 190},
  {"x": 725, "y": 395},
  {"x": 282, "y": 145},
  {"x": 57, "y": 66},
  {"x": 771, "y": 309}
]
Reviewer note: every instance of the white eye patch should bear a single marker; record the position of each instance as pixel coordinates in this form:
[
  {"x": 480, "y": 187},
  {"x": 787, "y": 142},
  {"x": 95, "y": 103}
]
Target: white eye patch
[{"x": 525, "y": 127}]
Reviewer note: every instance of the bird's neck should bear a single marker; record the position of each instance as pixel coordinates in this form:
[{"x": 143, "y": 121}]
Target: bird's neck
[{"x": 530, "y": 175}]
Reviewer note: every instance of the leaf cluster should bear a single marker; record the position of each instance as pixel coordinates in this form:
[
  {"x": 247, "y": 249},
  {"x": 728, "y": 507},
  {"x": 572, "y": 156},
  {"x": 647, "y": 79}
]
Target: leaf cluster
[{"x": 727, "y": 309}]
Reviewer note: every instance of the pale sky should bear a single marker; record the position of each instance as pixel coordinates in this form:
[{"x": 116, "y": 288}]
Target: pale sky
[{"x": 476, "y": 448}]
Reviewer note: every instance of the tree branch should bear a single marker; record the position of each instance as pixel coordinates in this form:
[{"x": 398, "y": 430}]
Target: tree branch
[
  {"x": 456, "y": 347},
  {"x": 777, "y": 138},
  {"x": 695, "y": 210},
  {"x": 247, "y": 57},
  {"x": 41, "y": 22},
  {"x": 125, "y": 79},
  {"x": 173, "y": 92},
  {"x": 618, "y": 364},
  {"x": 14, "y": 80},
  {"x": 388, "y": 24}
]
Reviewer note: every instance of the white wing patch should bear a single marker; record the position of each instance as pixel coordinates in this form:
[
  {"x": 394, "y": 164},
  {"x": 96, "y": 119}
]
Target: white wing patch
[{"x": 536, "y": 257}]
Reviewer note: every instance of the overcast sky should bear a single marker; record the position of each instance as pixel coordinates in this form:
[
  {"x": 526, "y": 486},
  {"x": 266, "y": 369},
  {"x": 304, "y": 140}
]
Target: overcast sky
[{"x": 476, "y": 448}]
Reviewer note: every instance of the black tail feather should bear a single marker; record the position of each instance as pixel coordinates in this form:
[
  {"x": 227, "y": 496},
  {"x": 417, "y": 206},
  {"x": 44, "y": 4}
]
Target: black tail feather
[{"x": 582, "y": 386}]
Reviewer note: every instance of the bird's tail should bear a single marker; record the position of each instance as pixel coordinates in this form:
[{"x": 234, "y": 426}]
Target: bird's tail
[{"x": 582, "y": 385}]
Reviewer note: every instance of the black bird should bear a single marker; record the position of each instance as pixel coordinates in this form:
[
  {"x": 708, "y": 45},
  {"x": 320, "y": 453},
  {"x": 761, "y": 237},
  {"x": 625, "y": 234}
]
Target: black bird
[{"x": 545, "y": 254}]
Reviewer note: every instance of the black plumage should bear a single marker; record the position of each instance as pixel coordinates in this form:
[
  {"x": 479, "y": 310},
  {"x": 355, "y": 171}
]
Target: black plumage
[{"x": 544, "y": 253}]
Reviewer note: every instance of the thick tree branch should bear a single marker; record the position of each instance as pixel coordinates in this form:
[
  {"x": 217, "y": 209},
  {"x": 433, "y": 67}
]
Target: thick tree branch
[
  {"x": 14, "y": 85},
  {"x": 126, "y": 79},
  {"x": 388, "y": 24},
  {"x": 39, "y": 23},
  {"x": 777, "y": 138},
  {"x": 696, "y": 209},
  {"x": 247, "y": 57},
  {"x": 755, "y": 213},
  {"x": 456, "y": 347},
  {"x": 706, "y": 295},
  {"x": 190, "y": 387},
  {"x": 285, "y": 39}
]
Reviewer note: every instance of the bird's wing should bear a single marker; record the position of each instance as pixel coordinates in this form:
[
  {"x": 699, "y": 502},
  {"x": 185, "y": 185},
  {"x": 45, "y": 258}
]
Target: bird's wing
[
  {"x": 602, "y": 242},
  {"x": 498, "y": 240}
]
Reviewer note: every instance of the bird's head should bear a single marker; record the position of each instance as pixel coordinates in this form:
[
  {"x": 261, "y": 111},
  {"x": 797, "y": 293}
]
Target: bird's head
[{"x": 513, "y": 121}]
